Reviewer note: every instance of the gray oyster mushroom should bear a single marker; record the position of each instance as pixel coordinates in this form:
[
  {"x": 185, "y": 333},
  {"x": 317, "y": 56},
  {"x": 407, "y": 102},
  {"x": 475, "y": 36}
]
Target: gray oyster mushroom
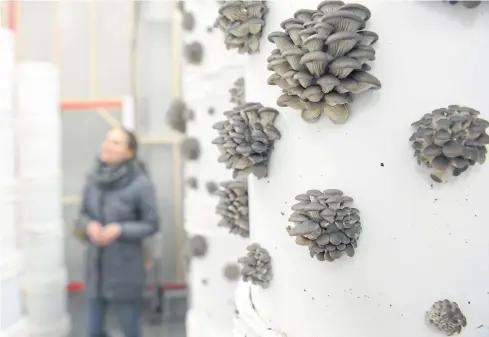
[
  {"x": 320, "y": 62},
  {"x": 194, "y": 53},
  {"x": 450, "y": 139},
  {"x": 231, "y": 271},
  {"x": 211, "y": 111},
  {"x": 193, "y": 183},
  {"x": 211, "y": 187},
  {"x": 190, "y": 148},
  {"x": 188, "y": 21},
  {"x": 233, "y": 207},
  {"x": 178, "y": 114},
  {"x": 256, "y": 266},
  {"x": 238, "y": 92},
  {"x": 466, "y": 4},
  {"x": 242, "y": 24},
  {"x": 246, "y": 139},
  {"x": 325, "y": 223},
  {"x": 197, "y": 246},
  {"x": 446, "y": 317}
]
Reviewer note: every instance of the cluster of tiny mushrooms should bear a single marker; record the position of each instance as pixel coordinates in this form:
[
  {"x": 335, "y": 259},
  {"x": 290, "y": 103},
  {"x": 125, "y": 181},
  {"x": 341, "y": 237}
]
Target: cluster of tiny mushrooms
[
  {"x": 178, "y": 114},
  {"x": 256, "y": 266},
  {"x": 446, "y": 317},
  {"x": 246, "y": 139},
  {"x": 233, "y": 207},
  {"x": 320, "y": 62},
  {"x": 242, "y": 23},
  {"x": 190, "y": 148}
]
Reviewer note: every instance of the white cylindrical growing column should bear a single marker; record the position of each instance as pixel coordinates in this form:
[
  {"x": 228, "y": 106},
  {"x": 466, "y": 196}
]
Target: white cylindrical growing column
[
  {"x": 12, "y": 323},
  {"x": 421, "y": 241},
  {"x": 39, "y": 125},
  {"x": 206, "y": 91}
]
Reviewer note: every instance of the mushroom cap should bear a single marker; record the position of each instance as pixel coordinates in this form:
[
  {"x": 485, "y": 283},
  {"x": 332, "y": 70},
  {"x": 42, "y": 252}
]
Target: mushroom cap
[
  {"x": 363, "y": 77},
  {"x": 341, "y": 36},
  {"x": 314, "y": 206},
  {"x": 291, "y": 21},
  {"x": 356, "y": 8},
  {"x": 303, "y": 75},
  {"x": 272, "y": 78},
  {"x": 345, "y": 62},
  {"x": 303, "y": 197},
  {"x": 229, "y": 4},
  {"x": 328, "y": 79},
  {"x": 304, "y": 11},
  {"x": 337, "y": 98},
  {"x": 368, "y": 33},
  {"x": 313, "y": 56},
  {"x": 311, "y": 90},
  {"x": 273, "y": 35},
  {"x": 342, "y": 14},
  {"x": 293, "y": 52},
  {"x": 307, "y": 31},
  {"x": 283, "y": 99},
  {"x": 452, "y": 149}
]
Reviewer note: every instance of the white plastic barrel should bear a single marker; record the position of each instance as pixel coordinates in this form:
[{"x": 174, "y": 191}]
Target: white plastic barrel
[
  {"x": 7, "y": 70},
  {"x": 43, "y": 252},
  {"x": 46, "y": 299},
  {"x": 41, "y": 201},
  {"x": 8, "y": 222},
  {"x": 10, "y": 293},
  {"x": 38, "y": 91},
  {"x": 59, "y": 329},
  {"x": 7, "y": 150},
  {"x": 39, "y": 147}
]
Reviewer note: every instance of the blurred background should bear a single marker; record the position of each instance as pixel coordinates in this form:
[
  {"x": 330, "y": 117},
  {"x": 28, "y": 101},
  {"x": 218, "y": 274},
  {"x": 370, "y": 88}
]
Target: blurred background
[{"x": 109, "y": 53}]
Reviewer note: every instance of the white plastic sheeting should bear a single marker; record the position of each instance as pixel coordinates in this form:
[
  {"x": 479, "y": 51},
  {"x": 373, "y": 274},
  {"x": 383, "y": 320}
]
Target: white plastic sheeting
[
  {"x": 39, "y": 125},
  {"x": 12, "y": 323}
]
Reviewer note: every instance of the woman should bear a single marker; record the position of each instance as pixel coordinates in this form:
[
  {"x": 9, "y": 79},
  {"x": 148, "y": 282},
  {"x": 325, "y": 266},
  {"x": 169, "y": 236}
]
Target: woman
[{"x": 118, "y": 213}]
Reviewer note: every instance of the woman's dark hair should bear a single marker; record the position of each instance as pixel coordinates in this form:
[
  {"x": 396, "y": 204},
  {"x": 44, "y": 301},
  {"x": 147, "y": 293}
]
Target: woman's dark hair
[{"x": 133, "y": 145}]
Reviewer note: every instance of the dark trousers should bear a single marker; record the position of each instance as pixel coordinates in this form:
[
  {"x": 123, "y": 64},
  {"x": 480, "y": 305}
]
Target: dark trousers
[{"x": 128, "y": 313}]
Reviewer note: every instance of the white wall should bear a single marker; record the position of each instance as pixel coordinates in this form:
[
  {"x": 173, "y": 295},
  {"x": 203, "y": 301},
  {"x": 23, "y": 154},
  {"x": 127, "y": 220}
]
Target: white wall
[
  {"x": 204, "y": 86},
  {"x": 421, "y": 242}
]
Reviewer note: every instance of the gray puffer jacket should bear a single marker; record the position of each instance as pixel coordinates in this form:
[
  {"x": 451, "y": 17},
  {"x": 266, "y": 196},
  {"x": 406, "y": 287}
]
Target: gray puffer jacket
[{"x": 123, "y": 195}]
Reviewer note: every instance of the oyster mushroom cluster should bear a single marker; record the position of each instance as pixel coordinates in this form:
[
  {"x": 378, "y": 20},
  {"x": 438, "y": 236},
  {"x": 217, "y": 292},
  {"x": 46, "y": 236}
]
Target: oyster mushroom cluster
[
  {"x": 256, "y": 266},
  {"x": 188, "y": 21},
  {"x": 450, "y": 139},
  {"x": 211, "y": 187},
  {"x": 193, "y": 183},
  {"x": 178, "y": 114},
  {"x": 246, "y": 139},
  {"x": 326, "y": 224},
  {"x": 238, "y": 92},
  {"x": 321, "y": 60},
  {"x": 242, "y": 23},
  {"x": 233, "y": 207},
  {"x": 466, "y": 4},
  {"x": 231, "y": 271},
  {"x": 190, "y": 148},
  {"x": 194, "y": 53},
  {"x": 197, "y": 246},
  {"x": 446, "y": 317}
]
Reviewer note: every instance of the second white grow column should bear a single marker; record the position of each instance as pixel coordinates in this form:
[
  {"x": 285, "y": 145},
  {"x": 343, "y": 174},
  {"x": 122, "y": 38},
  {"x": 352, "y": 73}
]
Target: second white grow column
[
  {"x": 12, "y": 323},
  {"x": 41, "y": 198}
]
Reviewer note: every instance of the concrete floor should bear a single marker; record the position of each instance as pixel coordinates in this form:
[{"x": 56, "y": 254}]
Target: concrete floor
[{"x": 173, "y": 324}]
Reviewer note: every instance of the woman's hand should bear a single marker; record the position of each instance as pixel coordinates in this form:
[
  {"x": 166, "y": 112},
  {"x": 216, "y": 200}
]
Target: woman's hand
[
  {"x": 93, "y": 231},
  {"x": 109, "y": 234}
]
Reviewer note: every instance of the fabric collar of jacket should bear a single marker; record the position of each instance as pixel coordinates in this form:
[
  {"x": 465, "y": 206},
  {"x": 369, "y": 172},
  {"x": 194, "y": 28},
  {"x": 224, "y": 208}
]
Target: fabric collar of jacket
[{"x": 116, "y": 176}]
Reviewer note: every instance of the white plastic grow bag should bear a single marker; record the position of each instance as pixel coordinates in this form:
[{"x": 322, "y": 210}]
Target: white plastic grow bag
[
  {"x": 39, "y": 147},
  {"x": 38, "y": 92},
  {"x": 41, "y": 201},
  {"x": 46, "y": 300},
  {"x": 60, "y": 329},
  {"x": 18, "y": 330},
  {"x": 7, "y": 149},
  {"x": 10, "y": 293},
  {"x": 8, "y": 222},
  {"x": 7, "y": 69},
  {"x": 43, "y": 251}
]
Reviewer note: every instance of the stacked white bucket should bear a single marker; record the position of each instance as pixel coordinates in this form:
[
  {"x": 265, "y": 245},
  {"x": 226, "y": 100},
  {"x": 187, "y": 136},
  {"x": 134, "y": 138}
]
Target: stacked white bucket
[
  {"x": 11, "y": 319},
  {"x": 39, "y": 134}
]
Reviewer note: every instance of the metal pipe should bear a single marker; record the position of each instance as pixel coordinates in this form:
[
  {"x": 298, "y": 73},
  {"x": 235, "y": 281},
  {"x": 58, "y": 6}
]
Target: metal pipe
[{"x": 108, "y": 104}]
